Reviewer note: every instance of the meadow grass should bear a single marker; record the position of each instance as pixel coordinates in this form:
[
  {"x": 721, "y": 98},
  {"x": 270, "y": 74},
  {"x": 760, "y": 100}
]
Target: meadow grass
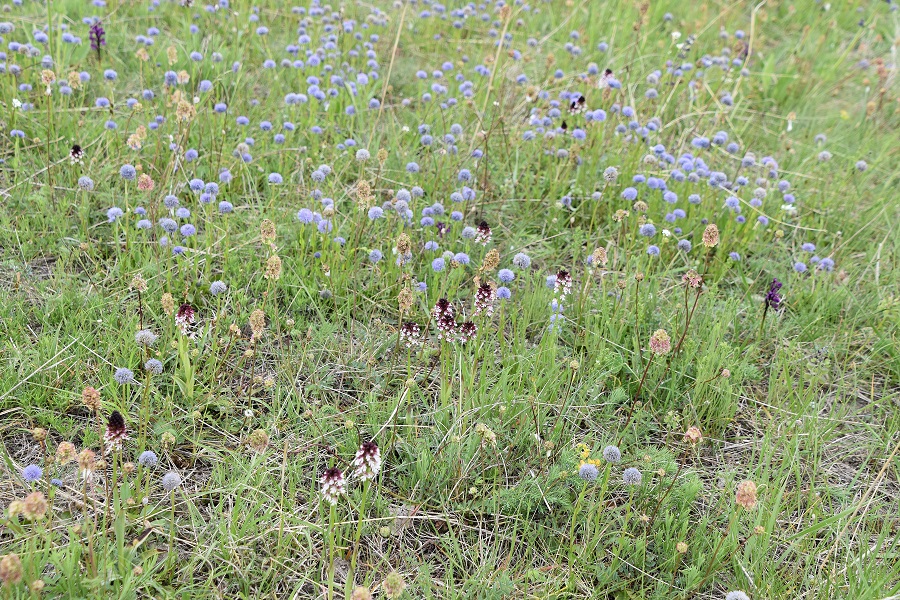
[{"x": 616, "y": 400}]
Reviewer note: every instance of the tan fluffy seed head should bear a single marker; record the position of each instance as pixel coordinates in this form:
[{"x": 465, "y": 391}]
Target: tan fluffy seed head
[
  {"x": 746, "y": 495},
  {"x": 65, "y": 452},
  {"x": 404, "y": 244},
  {"x": 91, "y": 398},
  {"x": 138, "y": 283},
  {"x": 273, "y": 268},
  {"x": 660, "y": 343},
  {"x": 10, "y": 569},
  {"x": 267, "y": 231},
  {"x": 35, "y": 506},
  {"x": 257, "y": 322},
  {"x": 491, "y": 260},
  {"x": 711, "y": 236},
  {"x": 405, "y": 300},
  {"x": 168, "y": 303}
]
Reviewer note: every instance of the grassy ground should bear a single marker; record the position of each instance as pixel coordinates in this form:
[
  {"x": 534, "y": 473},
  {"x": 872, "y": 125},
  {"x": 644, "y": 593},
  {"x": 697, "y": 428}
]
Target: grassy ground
[{"x": 493, "y": 481}]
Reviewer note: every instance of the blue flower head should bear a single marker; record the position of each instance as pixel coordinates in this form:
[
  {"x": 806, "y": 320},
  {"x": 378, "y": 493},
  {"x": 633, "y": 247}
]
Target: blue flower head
[{"x": 32, "y": 473}]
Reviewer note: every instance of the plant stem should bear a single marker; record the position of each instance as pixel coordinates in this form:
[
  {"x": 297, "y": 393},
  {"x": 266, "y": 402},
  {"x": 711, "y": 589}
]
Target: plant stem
[
  {"x": 637, "y": 395},
  {"x": 712, "y": 559}
]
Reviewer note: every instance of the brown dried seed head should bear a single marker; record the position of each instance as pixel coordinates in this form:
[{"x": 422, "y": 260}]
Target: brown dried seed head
[
  {"x": 711, "y": 236},
  {"x": 168, "y": 303},
  {"x": 746, "y": 495},
  {"x": 267, "y": 231},
  {"x": 91, "y": 398}
]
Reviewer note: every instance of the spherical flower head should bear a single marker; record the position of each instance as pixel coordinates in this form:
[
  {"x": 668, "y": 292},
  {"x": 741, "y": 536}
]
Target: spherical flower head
[
  {"x": 138, "y": 283},
  {"x": 647, "y": 230},
  {"x": 361, "y": 593},
  {"x": 123, "y": 376},
  {"x": 588, "y": 472},
  {"x": 35, "y": 506},
  {"x": 681, "y": 547},
  {"x": 258, "y": 440},
  {"x": 65, "y": 453},
  {"x": 393, "y": 586},
  {"x": 148, "y": 458},
  {"x": 145, "y": 183},
  {"x": 87, "y": 461},
  {"x": 305, "y": 216},
  {"x": 10, "y": 569},
  {"x": 333, "y": 485},
  {"x": 632, "y": 476},
  {"x": 693, "y": 436},
  {"x": 610, "y": 174},
  {"x": 145, "y": 338},
  {"x": 367, "y": 462},
  {"x": 32, "y": 473},
  {"x": 711, "y": 236},
  {"x": 114, "y": 214},
  {"x": 267, "y": 231},
  {"x": 505, "y": 275},
  {"x": 362, "y": 155},
  {"x": 86, "y": 183},
  {"x": 90, "y": 397},
  {"x": 273, "y": 268},
  {"x": 171, "y": 480},
  {"x": 660, "y": 343},
  {"x": 746, "y": 495},
  {"x": 598, "y": 257},
  {"x": 692, "y": 278},
  {"x": 128, "y": 172},
  {"x": 153, "y": 366},
  {"x": 826, "y": 264},
  {"x": 217, "y": 287},
  {"x": 737, "y": 595},
  {"x": 521, "y": 260},
  {"x": 612, "y": 454}
]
